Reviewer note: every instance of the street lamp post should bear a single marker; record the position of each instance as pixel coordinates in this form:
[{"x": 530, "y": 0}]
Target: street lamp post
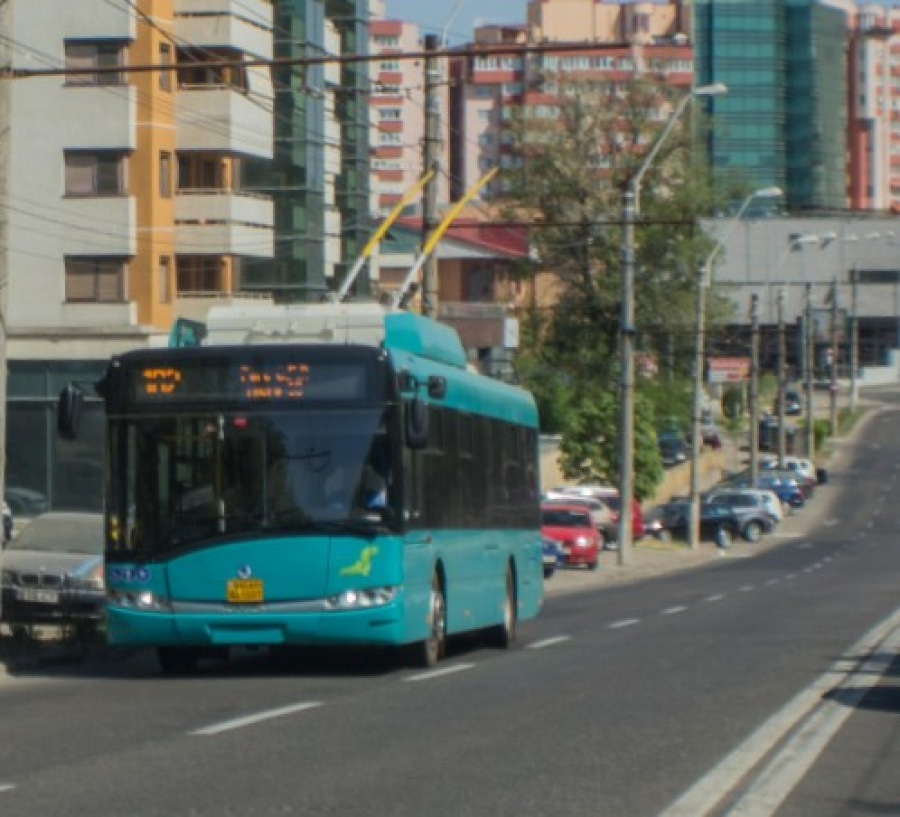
[
  {"x": 704, "y": 280},
  {"x": 630, "y": 209}
]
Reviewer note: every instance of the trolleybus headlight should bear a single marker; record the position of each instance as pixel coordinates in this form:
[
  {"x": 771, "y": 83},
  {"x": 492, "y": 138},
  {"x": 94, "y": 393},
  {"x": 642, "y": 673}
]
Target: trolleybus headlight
[
  {"x": 359, "y": 599},
  {"x": 138, "y": 600}
]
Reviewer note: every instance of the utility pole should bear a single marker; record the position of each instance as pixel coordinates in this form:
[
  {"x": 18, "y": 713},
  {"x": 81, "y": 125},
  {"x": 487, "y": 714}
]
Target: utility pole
[
  {"x": 854, "y": 335},
  {"x": 5, "y": 131},
  {"x": 626, "y": 385},
  {"x": 782, "y": 351},
  {"x": 833, "y": 386},
  {"x": 809, "y": 355},
  {"x": 754, "y": 391},
  {"x": 431, "y": 146},
  {"x": 696, "y": 437}
]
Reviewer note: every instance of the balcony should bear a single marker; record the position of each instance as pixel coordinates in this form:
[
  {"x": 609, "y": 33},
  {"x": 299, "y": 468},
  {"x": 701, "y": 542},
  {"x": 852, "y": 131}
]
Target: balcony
[
  {"x": 244, "y": 25},
  {"x": 222, "y": 119},
  {"x": 219, "y": 222}
]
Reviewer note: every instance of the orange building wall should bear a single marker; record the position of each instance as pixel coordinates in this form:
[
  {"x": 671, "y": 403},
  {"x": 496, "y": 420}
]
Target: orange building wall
[{"x": 155, "y": 135}]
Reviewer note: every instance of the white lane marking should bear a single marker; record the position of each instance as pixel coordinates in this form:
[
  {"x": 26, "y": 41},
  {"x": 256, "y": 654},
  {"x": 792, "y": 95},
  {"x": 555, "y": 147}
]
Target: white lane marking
[
  {"x": 717, "y": 597},
  {"x": 549, "y": 642},
  {"x": 439, "y": 673},
  {"x": 785, "y": 770},
  {"x": 674, "y": 611},
  {"x": 249, "y": 720},
  {"x": 627, "y": 622},
  {"x": 718, "y": 783},
  {"x": 747, "y": 588},
  {"x": 7, "y": 787},
  {"x": 772, "y": 582}
]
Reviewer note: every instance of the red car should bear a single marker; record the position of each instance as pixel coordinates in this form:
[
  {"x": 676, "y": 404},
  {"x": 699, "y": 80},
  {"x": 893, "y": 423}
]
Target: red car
[{"x": 572, "y": 527}]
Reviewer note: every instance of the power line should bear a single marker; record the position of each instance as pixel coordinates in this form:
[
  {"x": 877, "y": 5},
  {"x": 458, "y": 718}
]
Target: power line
[{"x": 468, "y": 52}]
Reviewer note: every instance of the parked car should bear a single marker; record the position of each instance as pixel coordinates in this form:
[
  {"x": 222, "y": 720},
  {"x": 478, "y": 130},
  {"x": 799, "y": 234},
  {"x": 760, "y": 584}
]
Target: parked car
[
  {"x": 25, "y": 502},
  {"x": 572, "y": 527},
  {"x": 606, "y": 520},
  {"x": 609, "y": 496},
  {"x": 767, "y": 501},
  {"x": 672, "y": 447},
  {"x": 753, "y": 519},
  {"x": 718, "y": 523},
  {"x": 711, "y": 436},
  {"x": 802, "y": 467},
  {"x": 793, "y": 403},
  {"x": 53, "y": 570},
  {"x": 784, "y": 485},
  {"x": 554, "y": 555}
]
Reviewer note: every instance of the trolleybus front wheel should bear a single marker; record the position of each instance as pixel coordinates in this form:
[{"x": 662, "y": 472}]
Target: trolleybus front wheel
[
  {"x": 503, "y": 636},
  {"x": 430, "y": 651}
]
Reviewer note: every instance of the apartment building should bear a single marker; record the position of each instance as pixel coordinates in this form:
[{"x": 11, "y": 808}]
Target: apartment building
[
  {"x": 874, "y": 143},
  {"x": 123, "y": 199},
  {"x": 632, "y": 40},
  {"x": 398, "y": 99}
]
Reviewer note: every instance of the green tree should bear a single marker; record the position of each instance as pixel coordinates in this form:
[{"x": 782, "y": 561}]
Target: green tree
[{"x": 589, "y": 451}]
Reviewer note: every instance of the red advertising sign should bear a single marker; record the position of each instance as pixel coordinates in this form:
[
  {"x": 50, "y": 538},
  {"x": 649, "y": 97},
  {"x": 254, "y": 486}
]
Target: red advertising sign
[{"x": 729, "y": 369}]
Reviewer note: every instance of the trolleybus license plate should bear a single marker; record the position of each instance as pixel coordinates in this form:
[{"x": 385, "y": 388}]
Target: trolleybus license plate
[{"x": 245, "y": 591}]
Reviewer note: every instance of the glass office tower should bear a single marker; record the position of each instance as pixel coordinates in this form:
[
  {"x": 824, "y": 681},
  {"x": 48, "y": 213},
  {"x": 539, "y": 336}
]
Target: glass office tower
[
  {"x": 319, "y": 179},
  {"x": 784, "y": 121}
]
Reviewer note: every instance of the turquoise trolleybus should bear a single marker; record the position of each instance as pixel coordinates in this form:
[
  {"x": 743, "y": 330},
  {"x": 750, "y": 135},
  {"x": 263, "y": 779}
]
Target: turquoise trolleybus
[{"x": 332, "y": 474}]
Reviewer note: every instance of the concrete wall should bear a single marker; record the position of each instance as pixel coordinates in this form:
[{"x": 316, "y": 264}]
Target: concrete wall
[{"x": 677, "y": 480}]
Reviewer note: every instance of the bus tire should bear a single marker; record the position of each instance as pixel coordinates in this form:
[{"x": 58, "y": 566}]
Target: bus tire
[
  {"x": 503, "y": 636},
  {"x": 430, "y": 651},
  {"x": 176, "y": 660}
]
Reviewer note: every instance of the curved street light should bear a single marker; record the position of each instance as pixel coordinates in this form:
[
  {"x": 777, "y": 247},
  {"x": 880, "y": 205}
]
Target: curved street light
[{"x": 630, "y": 209}]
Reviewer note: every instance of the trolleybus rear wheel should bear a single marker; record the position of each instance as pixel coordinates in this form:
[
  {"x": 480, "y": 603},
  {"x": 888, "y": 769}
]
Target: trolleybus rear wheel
[{"x": 503, "y": 635}]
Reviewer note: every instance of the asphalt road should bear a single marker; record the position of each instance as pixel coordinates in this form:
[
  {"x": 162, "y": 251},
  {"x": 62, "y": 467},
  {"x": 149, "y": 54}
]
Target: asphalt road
[{"x": 757, "y": 685}]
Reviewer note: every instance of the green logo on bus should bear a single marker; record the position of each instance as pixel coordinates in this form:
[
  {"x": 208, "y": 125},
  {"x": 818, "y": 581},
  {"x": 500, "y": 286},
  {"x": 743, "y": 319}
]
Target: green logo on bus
[{"x": 364, "y": 566}]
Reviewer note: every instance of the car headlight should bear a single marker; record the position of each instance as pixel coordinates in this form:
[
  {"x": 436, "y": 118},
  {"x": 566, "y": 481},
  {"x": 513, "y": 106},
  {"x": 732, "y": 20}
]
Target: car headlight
[
  {"x": 89, "y": 581},
  {"x": 360, "y": 599},
  {"x": 138, "y": 600},
  {"x": 582, "y": 541}
]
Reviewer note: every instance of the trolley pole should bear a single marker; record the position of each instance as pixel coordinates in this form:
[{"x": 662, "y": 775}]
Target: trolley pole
[
  {"x": 833, "y": 364},
  {"x": 430, "y": 160}
]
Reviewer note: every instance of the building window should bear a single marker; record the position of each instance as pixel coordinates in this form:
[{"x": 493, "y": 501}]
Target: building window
[
  {"x": 200, "y": 171},
  {"x": 165, "y": 58},
  {"x": 165, "y": 289},
  {"x": 95, "y": 280},
  {"x": 81, "y": 55},
  {"x": 95, "y": 173},
  {"x": 165, "y": 174},
  {"x": 199, "y": 274}
]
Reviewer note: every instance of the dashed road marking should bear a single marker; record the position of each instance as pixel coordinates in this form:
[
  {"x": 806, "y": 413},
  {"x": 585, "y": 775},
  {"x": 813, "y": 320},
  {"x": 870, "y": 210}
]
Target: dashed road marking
[
  {"x": 717, "y": 597},
  {"x": 439, "y": 673},
  {"x": 627, "y": 622},
  {"x": 674, "y": 611},
  {"x": 250, "y": 720},
  {"x": 6, "y": 787},
  {"x": 549, "y": 642},
  {"x": 747, "y": 588}
]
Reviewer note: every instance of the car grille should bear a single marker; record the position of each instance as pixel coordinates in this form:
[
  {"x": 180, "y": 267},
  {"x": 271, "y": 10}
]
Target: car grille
[{"x": 52, "y": 580}]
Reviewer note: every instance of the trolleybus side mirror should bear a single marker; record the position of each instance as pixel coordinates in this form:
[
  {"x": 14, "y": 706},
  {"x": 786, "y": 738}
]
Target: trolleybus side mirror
[
  {"x": 416, "y": 423},
  {"x": 437, "y": 387},
  {"x": 68, "y": 414}
]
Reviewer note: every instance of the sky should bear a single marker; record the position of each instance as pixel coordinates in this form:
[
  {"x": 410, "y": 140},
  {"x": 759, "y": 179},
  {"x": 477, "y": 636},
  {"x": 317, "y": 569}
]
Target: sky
[{"x": 432, "y": 15}]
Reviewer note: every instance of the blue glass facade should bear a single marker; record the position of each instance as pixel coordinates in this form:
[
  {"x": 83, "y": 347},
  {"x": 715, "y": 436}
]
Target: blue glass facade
[
  {"x": 784, "y": 120},
  {"x": 296, "y": 178}
]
